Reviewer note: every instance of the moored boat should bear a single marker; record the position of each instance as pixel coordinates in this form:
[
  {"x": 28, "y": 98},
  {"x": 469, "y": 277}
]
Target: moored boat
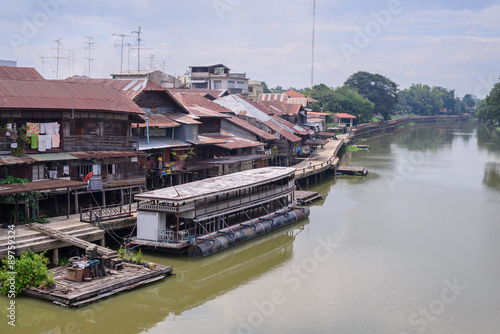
[{"x": 207, "y": 216}]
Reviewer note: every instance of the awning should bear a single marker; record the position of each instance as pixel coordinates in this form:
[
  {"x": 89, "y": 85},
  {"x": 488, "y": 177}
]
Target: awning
[
  {"x": 46, "y": 185},
  {"x": 51, "y": 156},
  {"x": 160, "y": 142}
]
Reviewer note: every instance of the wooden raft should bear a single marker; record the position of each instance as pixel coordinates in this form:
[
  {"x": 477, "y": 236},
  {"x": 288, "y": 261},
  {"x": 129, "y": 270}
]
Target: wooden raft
[
  {"x": 76, "y": 294},
  {"x": 306, "y": 197},
  {"x": 348, "y": 170}
]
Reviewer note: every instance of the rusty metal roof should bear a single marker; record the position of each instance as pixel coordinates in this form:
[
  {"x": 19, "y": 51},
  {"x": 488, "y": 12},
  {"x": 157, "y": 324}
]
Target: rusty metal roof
[
  {"x": 105, "y": 154},
  {"x": 250, "y": 128},
  {"x": 20, "y": 73},
  {"x": 198, "y": 105},
  {"x": 157, "y": 120},
  {"x": 206, "y": 93},
  {"x": 232, "y": 142},
  {"x": 46, "y": 185},
  {"x": 63, "y": 95},
  {"x": 182, "y": 118},
  {"x": 203, "y": 140},
  {"x": 13, "y": 160}
]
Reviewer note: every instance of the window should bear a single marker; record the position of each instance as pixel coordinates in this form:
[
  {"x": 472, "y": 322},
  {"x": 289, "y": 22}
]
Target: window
[
  {"x": 83, "y": 170},
  {"x": 217, "y": 84},
  {"x": 240, "y": 84},
  {"x": 250, "y": 89},
  {"x": 38, "y": 172},
  {"x": 231, "y": 84}
]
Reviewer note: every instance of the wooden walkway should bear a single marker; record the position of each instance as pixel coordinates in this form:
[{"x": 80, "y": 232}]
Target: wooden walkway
[{"x": 76, "y": 294}]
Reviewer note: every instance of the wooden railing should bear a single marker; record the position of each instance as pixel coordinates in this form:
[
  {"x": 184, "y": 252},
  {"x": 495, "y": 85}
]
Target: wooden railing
[
  {"x": 100, "y": 142},
  {"x": 91, "y": 215},
  {"x": 5, "y": 144}
]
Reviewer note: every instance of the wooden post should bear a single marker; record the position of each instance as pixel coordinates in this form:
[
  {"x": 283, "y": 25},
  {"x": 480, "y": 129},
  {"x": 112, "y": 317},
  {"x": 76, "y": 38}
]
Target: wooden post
[
  {"x": 55, "y": 256},
  {"x": 57, "y": 206},
  {"x": 68, "y": 199},
  {"x": 121, "y": 194},
  {"x": 103, "y": 242},
  {"x": 77, "y": 210},
  {"x": 104, "y": 198}
]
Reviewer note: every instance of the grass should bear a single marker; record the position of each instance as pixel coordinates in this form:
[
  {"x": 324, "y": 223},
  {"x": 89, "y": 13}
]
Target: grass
[{"x": 353, "y": 149}]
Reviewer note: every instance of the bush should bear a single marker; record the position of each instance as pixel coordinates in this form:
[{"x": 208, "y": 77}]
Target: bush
[{"x": 30, "y": 268}]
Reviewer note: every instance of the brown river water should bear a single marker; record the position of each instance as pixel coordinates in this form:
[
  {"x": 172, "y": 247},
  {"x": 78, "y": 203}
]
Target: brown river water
[{"x": 411, "y": 248}]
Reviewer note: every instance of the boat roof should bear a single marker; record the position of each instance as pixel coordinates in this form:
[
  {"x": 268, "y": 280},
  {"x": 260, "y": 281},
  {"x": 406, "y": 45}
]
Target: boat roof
[{"x": 213, "y": 186}]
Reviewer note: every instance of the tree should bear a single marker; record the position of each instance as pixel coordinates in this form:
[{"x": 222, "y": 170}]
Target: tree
[
  {"x": 469, "y": 101},
  {"x": 380, "y": 90},
  {"x": 493, "y": 104},
  {"x": 265, "y": 88}
]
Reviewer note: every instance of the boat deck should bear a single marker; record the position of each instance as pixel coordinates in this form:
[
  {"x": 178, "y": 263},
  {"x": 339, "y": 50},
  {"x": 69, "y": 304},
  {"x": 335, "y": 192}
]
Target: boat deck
[{"x": 75, "y": 294}]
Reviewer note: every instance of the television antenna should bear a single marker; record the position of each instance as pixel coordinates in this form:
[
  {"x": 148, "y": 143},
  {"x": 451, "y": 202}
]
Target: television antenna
[
  {"x": 89, "y": 45},
  {"x": 58, "y": 41},
  {"x": 139, "y": 47},
  {"x": 121, "y": 45}
]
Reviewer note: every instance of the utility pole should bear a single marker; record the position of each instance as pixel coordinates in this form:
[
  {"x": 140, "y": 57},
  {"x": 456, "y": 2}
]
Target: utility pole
[
  {"x": 89, "y": 46},
  {"x": 121, "y": 45},
  {"x": 138, "y": 43},
  {"x": 58, "y": 41},
  {"x": 313, "y": 31}
]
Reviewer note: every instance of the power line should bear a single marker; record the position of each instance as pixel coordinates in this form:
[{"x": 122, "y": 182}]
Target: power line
[
  {"x": 121, "y": 45},
  {"x": 89, "y": 46}
]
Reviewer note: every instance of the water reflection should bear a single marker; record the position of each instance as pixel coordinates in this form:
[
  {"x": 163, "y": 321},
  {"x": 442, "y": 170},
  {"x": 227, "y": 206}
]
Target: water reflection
[
  {"x": 196, "y": 282},
  {"x": 492, "y": 175}
]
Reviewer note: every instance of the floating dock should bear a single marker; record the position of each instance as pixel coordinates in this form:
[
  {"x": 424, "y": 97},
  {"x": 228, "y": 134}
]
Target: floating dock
[
  {"x": 75, "y": 294},
  {"x": 348, "y": 170},
  {"x": 307, "y": 197}
]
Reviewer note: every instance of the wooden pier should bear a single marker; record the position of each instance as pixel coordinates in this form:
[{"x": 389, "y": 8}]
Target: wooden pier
[
  {"x": 75, "y": 294},
  {"x": 349, "y": 170},
  {"x": 307, "y": 197}
]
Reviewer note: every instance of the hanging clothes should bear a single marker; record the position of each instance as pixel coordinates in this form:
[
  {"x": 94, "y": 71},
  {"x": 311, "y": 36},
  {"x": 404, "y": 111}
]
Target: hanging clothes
[
  {"x": 48, "y": 142},
  {"x": 34, "y": 142},
  {"x": 42, "y": 128},
  {"x": 41, "y": 143},
  {"x": 55, "y": 140},
  {"x": 32, "y": 129}
]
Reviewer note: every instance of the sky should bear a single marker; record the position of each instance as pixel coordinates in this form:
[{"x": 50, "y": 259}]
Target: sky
[{"x": 452, "y": 44}]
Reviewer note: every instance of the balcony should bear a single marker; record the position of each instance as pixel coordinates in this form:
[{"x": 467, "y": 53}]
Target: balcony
[
  {"x": 5, "y": 145},
  {"x": 93, "y": 142}
]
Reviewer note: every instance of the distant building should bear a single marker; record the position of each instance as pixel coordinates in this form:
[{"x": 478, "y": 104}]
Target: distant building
[
  {"x": 218, "y": 77},
  {"x": 158, "y": 77},
  {"x": 11, "y": 63},
  {"x": 255, "y": 89}
]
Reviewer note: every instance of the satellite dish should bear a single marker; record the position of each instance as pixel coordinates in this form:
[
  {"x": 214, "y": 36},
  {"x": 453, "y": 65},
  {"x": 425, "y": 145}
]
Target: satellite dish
[{"x": 87, "y": 178}]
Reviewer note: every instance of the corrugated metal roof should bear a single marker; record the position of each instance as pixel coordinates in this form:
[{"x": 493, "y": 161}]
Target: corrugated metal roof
[
  {"x": 129, "y": 87},
  {"x": 11, "y": 189},
  {"x": 249, "y": 127},
  {"x": 287, "y": 133},
  {"x": 202, "y": 140},
  {"x": 52, "y": 94},
  {"x": 105, "y": 154},
  {"x": 51, "y": 156},
  {"x": 160, "y": 142},
  {"x": 214, "y": 93},
  {"x": 297, "y": 129},
  {"x": 232, "y": 142},
  {"x": 12, "y": 160},
  {"x": 157, "y": 120},
  {"x": 20, "y": 73},
  {"x": 198, "y": 101},
  {"x": 242, "y": 106},
  {"x": 182, "y": 118},
  {"x": 235, "y": 159}
]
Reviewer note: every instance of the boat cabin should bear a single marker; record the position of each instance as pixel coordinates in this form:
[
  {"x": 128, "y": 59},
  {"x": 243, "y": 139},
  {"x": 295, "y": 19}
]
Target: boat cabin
[{"x": 177, "y": 217}]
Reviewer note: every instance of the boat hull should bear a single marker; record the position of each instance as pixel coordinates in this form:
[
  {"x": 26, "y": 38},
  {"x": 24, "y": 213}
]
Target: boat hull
[{"x": 247, "y": 231}]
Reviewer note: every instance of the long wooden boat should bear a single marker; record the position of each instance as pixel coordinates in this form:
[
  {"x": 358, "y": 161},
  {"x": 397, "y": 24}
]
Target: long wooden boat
[{"x": 207, "y": 216}]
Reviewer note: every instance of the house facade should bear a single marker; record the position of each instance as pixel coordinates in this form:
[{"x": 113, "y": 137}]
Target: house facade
[{"x": 218, "y": 76}]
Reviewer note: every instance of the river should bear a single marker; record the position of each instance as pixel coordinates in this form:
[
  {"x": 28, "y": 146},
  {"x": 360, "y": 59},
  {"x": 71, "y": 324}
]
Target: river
[{"x": 411, "y": 248}]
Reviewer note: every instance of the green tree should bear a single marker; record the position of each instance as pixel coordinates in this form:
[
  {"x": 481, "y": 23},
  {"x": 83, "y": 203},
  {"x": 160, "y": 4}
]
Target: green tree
[
  {"x": 265, "y": 88},
  {"x": 469, "y": 101},
  {"x": 377, "y": 88},
  {"x": 492, "y": 105}
]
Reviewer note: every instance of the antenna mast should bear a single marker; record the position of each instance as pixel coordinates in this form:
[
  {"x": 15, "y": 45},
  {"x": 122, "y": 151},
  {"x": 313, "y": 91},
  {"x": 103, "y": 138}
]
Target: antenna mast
[
  {"x": 313, "y": 31},
  {"x": 89, "y": 46},
  {"x": 58, "y": 41},
  {"x": 138, "y": 32},
  {"x": 121, "y": 45}
]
